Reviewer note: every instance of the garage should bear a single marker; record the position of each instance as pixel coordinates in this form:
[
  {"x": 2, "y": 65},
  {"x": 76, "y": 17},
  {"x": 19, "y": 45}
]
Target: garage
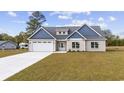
[{"x": 43, "y": 46}]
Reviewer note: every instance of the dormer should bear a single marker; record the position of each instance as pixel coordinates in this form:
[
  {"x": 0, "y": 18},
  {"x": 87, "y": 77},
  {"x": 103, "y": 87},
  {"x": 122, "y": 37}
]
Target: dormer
[{"x": 62, "y": 32}]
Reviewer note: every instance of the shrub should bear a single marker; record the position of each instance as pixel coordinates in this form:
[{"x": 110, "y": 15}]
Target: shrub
[{"x": 69, "y": 50}]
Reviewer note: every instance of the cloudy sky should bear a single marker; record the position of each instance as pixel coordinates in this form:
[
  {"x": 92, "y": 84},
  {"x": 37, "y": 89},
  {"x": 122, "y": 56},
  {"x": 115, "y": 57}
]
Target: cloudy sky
[{"x": 14, "y": 22}]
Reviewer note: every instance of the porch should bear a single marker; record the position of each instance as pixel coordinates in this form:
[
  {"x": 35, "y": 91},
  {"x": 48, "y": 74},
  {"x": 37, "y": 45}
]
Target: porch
[{"x": 61, "y": 45}]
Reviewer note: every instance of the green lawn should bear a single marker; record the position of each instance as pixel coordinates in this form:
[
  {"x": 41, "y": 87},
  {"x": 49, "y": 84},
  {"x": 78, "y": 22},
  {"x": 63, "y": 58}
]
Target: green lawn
[
  {"x": 4, "y": 53},
  {"x": 77, "y": 66}
]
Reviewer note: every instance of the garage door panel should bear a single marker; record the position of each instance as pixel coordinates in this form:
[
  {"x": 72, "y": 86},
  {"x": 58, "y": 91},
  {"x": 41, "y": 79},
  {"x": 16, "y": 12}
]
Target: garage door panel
[{"x": 43, "y": 46}]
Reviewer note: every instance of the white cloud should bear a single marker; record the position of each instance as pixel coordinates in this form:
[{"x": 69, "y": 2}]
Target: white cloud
[
  {"x": 103, "y": 25},
  {"x": 76, "y": 22},
  {"x": 64, "y": 17},
  {"x": 100, "y": 19},
  {"x": 19, "y": 21},
  {"x": 45, "y": 24},
  {"x": 87, "y": 12},
  {"x": 112, "y": 18},
  {"x": 11, "y": 13},
  {"x": 29, "y": 13},
  {"x": 53, "y": 13},
  {"x": 68, "y": 14},
  {"x": 81, "y": 22}
]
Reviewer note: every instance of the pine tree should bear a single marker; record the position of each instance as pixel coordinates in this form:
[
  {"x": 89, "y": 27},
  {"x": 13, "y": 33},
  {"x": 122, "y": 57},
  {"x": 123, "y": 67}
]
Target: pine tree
[{"x": 35, "y": 21}]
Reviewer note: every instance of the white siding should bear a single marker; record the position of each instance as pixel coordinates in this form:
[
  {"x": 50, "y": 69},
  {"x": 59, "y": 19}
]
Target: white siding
[
  {"x": 82, "y": 45},
  {"x": 102, "y": 46},
  {"x": 30, "y": 47}
]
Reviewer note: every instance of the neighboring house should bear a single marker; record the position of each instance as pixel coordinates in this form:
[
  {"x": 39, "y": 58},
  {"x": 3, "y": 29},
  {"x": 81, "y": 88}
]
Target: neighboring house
[
  {"x": 7, "y": 45},
  {"x": 23, "y": 45},
  {"x": 71, "y": 38}
]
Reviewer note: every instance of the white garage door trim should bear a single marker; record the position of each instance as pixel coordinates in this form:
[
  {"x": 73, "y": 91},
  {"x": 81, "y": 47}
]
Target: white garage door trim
[{"x": 43, "y": 46}]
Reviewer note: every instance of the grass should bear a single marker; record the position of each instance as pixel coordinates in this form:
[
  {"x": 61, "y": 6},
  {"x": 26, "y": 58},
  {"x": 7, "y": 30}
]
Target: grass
[
  {"x": 76, "y": 66},
  {"x": 4, "y": 53},
  {"x": 115, "y": 48}
]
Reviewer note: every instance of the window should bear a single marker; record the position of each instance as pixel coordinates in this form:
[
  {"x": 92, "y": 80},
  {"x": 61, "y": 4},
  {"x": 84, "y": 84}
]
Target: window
[
  {"x": 59, "y": 32},
  {"x": 75, "y": 45},
  {"x": 63, "y": 32},
  {"x": 94, "y": 45},
  {"x": 44, "y": 42}
]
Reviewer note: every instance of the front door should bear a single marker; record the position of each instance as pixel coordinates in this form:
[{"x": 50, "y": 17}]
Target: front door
[{"x": 61, "y": 46}]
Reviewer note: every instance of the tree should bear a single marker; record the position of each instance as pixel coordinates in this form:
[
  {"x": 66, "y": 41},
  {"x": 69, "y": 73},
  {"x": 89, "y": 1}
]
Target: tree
[
  {"x": 35, "y": 22},
  {"x": 108, "y": 35},
  {"x": 0, "y": 36},
  {"x": 6, "y": 37},
  {"x": 111, "y": 39},
  {"x": 22, "y": 37}
]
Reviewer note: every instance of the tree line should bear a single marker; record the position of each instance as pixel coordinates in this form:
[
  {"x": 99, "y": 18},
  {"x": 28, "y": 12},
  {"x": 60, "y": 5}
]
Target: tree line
[
  {"x": 37, "y": 19},
  {"x": 112, "y": 40}
]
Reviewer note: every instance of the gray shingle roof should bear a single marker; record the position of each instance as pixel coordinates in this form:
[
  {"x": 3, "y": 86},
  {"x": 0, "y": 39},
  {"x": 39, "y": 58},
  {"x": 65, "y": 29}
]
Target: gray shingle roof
[
  {"x": 2, "y": 42},
  {"x": 98, "y": 29},
  {"x": 71, "y": 29},
  {"x": 52, "y": 30}
]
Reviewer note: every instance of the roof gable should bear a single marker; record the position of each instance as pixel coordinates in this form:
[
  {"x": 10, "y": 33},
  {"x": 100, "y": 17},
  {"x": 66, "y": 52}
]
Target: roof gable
[
  {"x": 87, "y": 31},
  {"x": 41, "y": 34},
  {"x": 75, "y": 35}
]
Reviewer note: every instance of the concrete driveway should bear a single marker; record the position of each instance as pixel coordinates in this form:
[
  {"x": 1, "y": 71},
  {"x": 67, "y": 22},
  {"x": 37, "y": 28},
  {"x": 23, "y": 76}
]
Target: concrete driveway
[{"x": 13, "y": 64}]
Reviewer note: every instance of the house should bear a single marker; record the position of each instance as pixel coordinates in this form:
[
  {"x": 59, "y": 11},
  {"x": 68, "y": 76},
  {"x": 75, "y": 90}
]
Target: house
[
  {"x": 70, "y": 38},
  {"x": 23, "y": 45},
  {"x": 7, "y": 45}
]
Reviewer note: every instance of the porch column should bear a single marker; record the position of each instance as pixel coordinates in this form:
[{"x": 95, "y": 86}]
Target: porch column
[{"x": 84, "y": 45}]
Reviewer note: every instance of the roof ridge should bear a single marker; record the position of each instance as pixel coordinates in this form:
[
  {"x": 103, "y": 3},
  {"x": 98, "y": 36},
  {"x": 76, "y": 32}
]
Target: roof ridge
[
  {"x": 71, "y": 26},
  {"x": 62, "y": 26}
]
